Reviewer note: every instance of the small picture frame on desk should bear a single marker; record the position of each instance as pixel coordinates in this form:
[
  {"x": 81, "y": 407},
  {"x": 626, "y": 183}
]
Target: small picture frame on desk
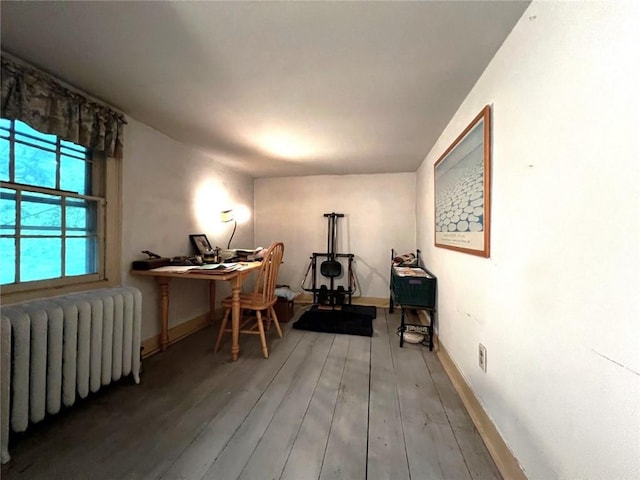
[{"x": 200, "y": 243}]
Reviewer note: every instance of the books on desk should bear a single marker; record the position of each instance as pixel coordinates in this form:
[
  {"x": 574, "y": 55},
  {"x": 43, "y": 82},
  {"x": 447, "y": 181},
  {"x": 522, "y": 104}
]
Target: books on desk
[
  {"x": 243, "y": 254},
  {"x": 208, "y": 268}
]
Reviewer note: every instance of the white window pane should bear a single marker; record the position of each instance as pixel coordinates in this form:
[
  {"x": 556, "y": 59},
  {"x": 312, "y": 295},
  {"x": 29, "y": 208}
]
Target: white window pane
[
  {"x": 22, "y": 127},
  {"x": 34, "y": 166},
  {"x": 5, "y": 149},
  {"x": 74, "y": 175},
  {"x": 73, "y": 150},
  {"x": 81, "y": 216},
  {"x": 34, "y": 142},
  {"x": 7, "y": 211},
  {"x": 40, "y": 258},
  {"x": 81, "y": 256},
  {"x": 7, "y": 260},
  {"x": 40, "y": 214}
]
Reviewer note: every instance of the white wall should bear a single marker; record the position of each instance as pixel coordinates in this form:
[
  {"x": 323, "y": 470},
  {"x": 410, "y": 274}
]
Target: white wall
[
  {"x": 558, "y": 303},
  {"x": 379, "y": 215},
  {"x": 171, "y": 191}
]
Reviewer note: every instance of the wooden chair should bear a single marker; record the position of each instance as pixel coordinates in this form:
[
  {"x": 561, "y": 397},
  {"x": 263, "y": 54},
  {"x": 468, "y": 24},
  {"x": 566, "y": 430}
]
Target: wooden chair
[{"x": 262, "y": 299}]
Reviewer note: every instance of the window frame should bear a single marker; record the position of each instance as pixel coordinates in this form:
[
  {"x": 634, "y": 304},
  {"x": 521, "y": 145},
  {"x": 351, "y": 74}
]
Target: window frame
[{"x": 109, "y": 233}]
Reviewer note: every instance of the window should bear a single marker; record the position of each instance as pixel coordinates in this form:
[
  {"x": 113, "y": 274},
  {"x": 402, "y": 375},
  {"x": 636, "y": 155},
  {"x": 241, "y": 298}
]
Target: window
[{"x": 53, "y": 215}]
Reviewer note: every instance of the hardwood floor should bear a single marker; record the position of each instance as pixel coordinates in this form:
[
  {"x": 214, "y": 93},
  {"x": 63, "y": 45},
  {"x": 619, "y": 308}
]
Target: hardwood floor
[{"x": 322, "y": 406}]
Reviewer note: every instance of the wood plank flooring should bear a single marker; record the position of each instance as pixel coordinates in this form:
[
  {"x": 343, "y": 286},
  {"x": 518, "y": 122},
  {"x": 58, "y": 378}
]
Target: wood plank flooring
[{"x": 322, "y": 406}]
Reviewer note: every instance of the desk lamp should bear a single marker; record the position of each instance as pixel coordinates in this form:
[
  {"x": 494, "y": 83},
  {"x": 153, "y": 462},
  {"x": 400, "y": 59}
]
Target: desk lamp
[{"x": 227, "y": 216}]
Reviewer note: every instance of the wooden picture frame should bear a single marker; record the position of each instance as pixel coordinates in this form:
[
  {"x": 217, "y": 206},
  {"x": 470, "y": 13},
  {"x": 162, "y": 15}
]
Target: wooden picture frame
[
  {"x": 462, "y": 181},
  {"x": 200, "y": 243}
]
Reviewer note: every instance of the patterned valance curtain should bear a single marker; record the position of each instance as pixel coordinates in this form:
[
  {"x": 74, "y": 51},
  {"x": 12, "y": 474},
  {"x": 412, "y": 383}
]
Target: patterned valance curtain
[{"x": 46, "y": 105}]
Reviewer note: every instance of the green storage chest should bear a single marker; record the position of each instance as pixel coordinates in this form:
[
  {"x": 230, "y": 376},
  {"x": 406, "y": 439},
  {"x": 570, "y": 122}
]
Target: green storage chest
[{"x": 413, "y": 286}]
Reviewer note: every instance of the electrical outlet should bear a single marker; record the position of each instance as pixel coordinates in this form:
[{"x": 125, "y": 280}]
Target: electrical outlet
[{"x": 482, "y": 357}]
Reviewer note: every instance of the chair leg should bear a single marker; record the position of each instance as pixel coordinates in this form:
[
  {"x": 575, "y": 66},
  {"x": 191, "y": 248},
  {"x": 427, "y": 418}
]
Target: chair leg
[
  {"x": 267, "y": 319},
  {"x": 223, "y": 325},
  {"x": 275, "y": 320},
  {"x": 263, "y": 340}
]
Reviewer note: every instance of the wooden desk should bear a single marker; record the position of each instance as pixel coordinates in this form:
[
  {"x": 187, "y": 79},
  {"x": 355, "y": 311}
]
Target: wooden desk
[{"x": 235, "y": 278}]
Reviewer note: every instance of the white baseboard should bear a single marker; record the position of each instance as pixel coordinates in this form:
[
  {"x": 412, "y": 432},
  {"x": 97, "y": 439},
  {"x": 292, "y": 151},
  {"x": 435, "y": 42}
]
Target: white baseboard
[{"x": 503, "y": 457}]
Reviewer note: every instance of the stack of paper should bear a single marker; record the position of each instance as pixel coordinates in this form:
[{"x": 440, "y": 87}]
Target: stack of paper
[
  {"x": 215, "y": 268},
  {"x": 411, "y": 272}
]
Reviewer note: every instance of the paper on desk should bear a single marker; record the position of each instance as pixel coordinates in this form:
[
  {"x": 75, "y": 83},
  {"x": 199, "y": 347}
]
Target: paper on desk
[
  {"x": 206, "y": 268},
  {"x": 215, "y": 268},
  {"x": 173, "y": 268}
]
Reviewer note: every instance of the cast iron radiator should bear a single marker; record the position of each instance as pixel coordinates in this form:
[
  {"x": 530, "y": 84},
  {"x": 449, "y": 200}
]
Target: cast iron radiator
[{"x": 62, "y": 348}]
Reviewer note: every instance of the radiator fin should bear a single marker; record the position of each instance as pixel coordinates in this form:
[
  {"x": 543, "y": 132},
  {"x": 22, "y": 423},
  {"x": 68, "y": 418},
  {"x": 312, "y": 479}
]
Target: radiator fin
[{"x": 5, "y": 361}]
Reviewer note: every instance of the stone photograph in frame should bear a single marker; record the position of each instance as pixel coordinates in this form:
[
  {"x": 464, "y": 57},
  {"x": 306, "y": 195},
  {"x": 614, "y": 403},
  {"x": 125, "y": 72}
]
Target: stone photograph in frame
[{"x": 462, "y": 178}]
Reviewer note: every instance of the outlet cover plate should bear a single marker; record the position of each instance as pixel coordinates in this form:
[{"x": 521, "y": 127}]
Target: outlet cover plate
[{"x": 482, "y": 357}]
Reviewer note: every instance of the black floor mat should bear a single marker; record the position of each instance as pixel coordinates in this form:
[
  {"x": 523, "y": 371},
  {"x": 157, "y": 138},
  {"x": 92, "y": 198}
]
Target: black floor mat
[
  {"x": 357, "y": 309},
  {"x": 350, "y": 320}
]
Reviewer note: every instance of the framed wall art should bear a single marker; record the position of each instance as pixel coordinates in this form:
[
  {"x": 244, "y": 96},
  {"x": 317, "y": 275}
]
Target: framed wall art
[{"x": 462, "y": 190}]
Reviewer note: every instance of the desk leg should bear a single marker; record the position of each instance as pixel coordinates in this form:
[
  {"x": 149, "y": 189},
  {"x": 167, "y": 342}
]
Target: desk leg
[
  {"x": 235, "y": 317},
  {"x": 163, "y": 284},
  {"x": 212, "y": 301}
]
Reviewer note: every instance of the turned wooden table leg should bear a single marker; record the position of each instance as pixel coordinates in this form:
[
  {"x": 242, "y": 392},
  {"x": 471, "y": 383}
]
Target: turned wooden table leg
[
  {"x": 212, "y": 301},
  {"x": 235, "y": 317},
  {"x": 163, "y": 284}
]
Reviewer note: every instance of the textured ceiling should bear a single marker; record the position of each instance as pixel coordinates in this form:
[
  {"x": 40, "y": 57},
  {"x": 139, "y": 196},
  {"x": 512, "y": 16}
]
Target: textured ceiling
[{"x": 273, "y": 88}]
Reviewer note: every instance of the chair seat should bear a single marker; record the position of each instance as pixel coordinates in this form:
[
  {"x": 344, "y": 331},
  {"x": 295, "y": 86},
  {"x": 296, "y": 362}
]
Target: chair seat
[{"x": 251, "y": 301}]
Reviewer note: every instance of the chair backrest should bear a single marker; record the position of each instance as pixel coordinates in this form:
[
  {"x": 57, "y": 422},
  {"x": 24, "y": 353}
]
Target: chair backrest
[{"x": 268, "y": 273}]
